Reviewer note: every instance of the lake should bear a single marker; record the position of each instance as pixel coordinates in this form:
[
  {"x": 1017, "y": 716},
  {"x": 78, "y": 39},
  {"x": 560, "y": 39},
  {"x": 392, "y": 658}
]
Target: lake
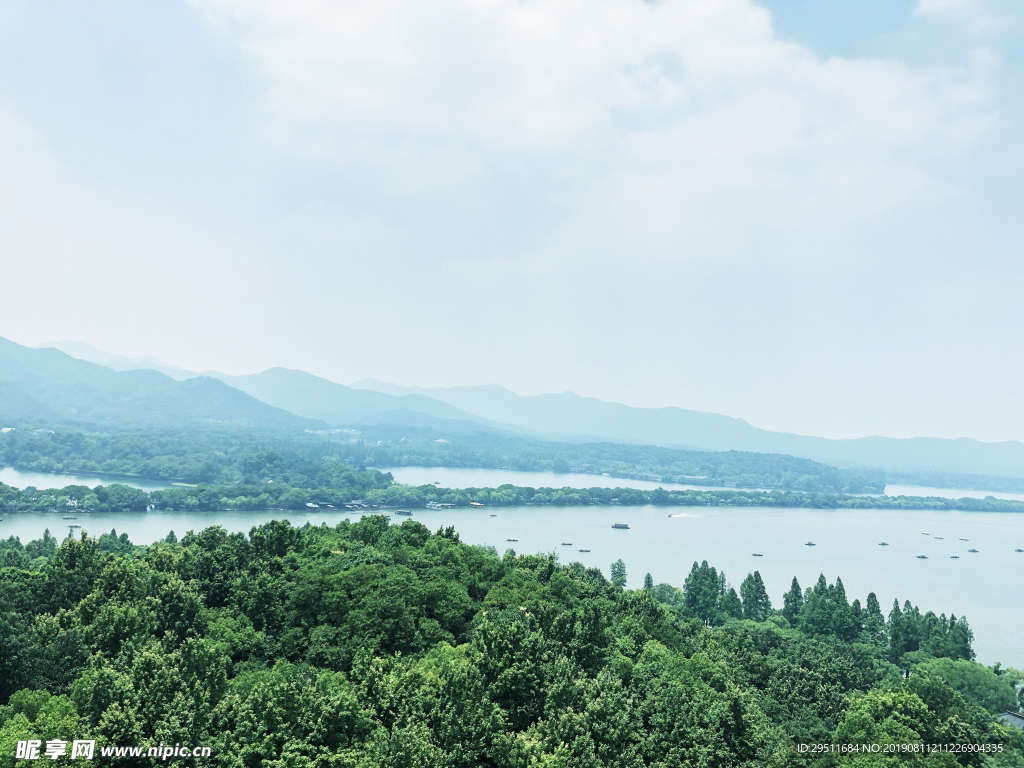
[
  {"x": 456, "y": 477},
  {"x": 43, "y": 480},
  {"x": 984, "y": 586},
  {"x": 449, "y": 477}
]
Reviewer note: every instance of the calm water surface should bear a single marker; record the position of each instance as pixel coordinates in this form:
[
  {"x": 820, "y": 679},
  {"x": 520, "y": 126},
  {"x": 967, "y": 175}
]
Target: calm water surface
[
  {"x": 44, "y": 480},
  {"x": 984, "y": 586},
  {"x": 457, "y": 477},
  {"x": 453, "y": 477}
]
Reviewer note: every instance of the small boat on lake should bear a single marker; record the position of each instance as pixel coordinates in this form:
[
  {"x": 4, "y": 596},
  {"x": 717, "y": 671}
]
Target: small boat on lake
[
  {"x": 883, "y": 543},
  {"x": 922, "y": 557},
  {"x": 74, "y": 525},
  {"x": 70, "y": 517},
  {"x": 937, "y": 537},
  {"x": 403, "y": 512},
  {"x": 954, "y": 557},
  {"x": 1016, "y": 550},
  {"x": 511, "y": 539},
  {"x": 620, "y": 526},
  {"x": 963, "y": 539},
  {"x": 925, "y": 533},
  {"x": 972, "y": 550},
  {"x": 757, "y": 554},
  {"x": 493, "y": 515},
  {"x": 584, "y": 550},
  {"x": 810, "y": 544},
  {"x": 566, "y": 543}
]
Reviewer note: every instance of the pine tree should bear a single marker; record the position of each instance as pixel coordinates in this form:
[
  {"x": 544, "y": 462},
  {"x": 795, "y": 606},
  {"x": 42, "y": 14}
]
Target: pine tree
[
  {"x": 898, "y": 634},
  {"x": 960, "y": 639},
  {"x": 648, "y": 582},
  {"x": 841, "y": 621},
  {"x": 756, "y": 603},
  {"x": 619, "y": 574},
  {"x": 874, "y": 622},
  {"x": 702, "y": 590},
  {"x": 816, "y": 614},
  {"x": 792, "y": 602},
  {"x": 731, "y": 604}
]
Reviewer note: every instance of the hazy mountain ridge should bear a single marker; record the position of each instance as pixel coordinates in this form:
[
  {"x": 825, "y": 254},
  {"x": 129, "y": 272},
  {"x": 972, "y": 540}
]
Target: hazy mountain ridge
[
  {"x": 46, "y": 387},
  {"x": 570, "y": 414},
  {"x": 314, "y": 397},
  {"x": 146, "y": 397},
  {"x": 82, "y": 351}
]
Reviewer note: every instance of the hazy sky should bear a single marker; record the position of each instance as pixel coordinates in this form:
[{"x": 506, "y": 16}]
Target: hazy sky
[{"x": 808, "y": 214}]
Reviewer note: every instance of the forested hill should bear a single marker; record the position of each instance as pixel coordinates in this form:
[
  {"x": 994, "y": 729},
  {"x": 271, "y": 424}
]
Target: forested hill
[
  {"x": 369, "y": 488},
  {"x": 228, "y": 473},
  {"x": 218, "y": 456},
  {"x": 372, "y": 645},
  {"x": 644, "y": 462},
  {"x": 45, "y": 388},
  {"x": 564, "y": 416}
]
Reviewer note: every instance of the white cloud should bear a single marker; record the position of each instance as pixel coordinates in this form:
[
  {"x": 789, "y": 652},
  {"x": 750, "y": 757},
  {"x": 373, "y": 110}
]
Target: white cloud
[
  {"x": 670, "y": 129},
  {"x": 973, "y": 13}
]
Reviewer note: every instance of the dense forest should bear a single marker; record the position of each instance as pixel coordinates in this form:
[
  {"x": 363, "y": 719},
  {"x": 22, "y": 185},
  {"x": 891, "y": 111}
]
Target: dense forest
[
  {"x": 233, "y": 471},
  {"x": 220, "y": 457},
  {"x": 227, "y": 457},
  {"x": 377, "y": 645},
  {"x": 667, "y": 465},
  {"x": 370, "y": 488}
]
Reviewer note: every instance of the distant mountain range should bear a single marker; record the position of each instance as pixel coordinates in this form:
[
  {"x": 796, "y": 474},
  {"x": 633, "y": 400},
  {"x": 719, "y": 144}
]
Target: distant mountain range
[
  {"x": 145, "y": 392},
  {"x": 308, "y": 395},
  {"x": 320, "y": 403},
  {"x": 569, "y": 416},
  {"x": 89, "y": 353},
  {"x": 46, "y": 387}
]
